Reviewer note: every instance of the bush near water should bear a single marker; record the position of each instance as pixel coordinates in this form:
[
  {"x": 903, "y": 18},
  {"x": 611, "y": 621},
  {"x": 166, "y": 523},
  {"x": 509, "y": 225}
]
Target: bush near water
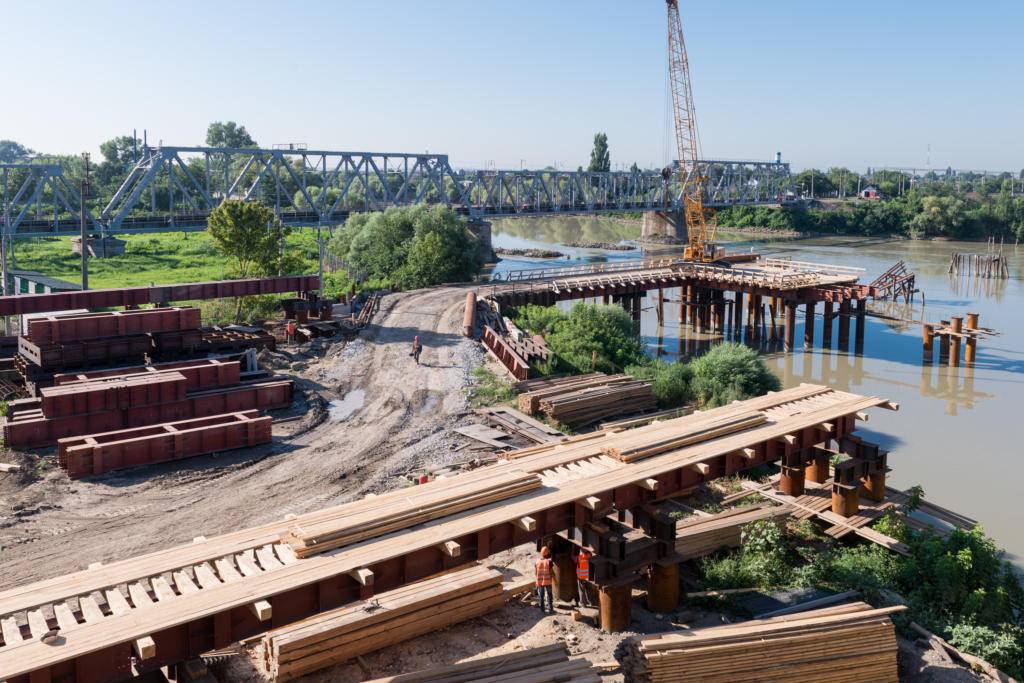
[{"x": 727, "y": 373}]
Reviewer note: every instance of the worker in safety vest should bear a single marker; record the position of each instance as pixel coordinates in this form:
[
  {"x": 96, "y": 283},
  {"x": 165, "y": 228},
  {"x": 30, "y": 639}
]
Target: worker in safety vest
[
  {"x": 582, "y": 562},
  {"x": 417, "y": 348},
  {"x": 290, "y": 331},
  {"x": 544, "y": 579}
]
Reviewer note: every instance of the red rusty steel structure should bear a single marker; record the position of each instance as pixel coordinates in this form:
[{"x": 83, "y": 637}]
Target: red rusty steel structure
[
  {"x": 87, "y": 352},
  {"x": 163, "y": 294},
  {"x": 329, "y": 580},
  {"x": 27, "y": 427},
  {"x": 79, "y": 326},
  {"x": 133, "y": 391},
  {"x": 99, "y": 453},
  {"x": 505, "y": 354},
  {"x": 205, "y": 373}
]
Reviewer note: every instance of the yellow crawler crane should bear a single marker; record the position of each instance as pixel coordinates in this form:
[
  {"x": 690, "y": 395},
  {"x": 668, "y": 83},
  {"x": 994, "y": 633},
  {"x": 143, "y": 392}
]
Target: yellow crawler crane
[{"x": 701, "y": 239}]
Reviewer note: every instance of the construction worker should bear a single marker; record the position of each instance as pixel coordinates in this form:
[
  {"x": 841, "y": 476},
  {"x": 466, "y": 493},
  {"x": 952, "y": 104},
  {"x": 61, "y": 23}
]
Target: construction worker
[
  {"x": 543, "y": 568},
  {"x": 582, "y": 561},
  {"x": 417, "y": 348},
  {"x": 290, "y": 332}
]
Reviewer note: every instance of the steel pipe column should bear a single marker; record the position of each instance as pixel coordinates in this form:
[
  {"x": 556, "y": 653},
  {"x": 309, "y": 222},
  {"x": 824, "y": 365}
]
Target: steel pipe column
[
  {"x": 663, "y": 587},
  {"x": 844, "y": 325},
  {"x": 809, "y": 326},
  {"x": 616, "y": 607},
  {"x": 826, "y": 326}
]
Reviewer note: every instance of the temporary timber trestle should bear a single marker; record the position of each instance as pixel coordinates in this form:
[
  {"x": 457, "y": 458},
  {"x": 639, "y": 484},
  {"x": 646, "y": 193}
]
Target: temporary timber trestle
[
  {"x": 172, "y": 605},
  {"x": 772, "y": 290}
]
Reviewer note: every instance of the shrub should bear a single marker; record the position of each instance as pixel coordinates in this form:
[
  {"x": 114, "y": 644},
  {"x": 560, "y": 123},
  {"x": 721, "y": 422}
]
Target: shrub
[{"x": 731, "y": 372}]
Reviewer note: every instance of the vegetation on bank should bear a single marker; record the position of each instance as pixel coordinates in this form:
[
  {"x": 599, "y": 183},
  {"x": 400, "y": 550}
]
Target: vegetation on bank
[
  {"x": 605, "y": 338},
  {"x": 959, "y": 586},
  {"x": 927, "y": 210},
  {"x": 413, "y": 246}
]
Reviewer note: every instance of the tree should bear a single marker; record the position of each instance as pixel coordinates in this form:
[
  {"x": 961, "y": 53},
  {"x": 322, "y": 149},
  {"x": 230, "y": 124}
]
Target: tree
[
  {"x": 938, "y": 216},
  {"x": 228, "y": 134},
  {"x": 12, "y": 152},
  {"x": 251, "y": 238},
  {"x": 119, "y": 150},
  {"x": 634, "y": 168},
  {"x": 600, "y": 157},
  {"x": 731, "y": 372}
]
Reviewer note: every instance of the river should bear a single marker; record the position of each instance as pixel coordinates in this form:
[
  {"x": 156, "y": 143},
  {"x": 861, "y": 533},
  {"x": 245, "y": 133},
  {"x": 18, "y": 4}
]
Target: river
[{"x": 953, "y": 432}]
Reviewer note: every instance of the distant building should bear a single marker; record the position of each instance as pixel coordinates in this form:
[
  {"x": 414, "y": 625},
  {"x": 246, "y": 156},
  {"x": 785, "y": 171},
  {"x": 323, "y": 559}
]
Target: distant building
[
  {"x": 870, "y": 192},
  {"x": 33, "y": 282}
]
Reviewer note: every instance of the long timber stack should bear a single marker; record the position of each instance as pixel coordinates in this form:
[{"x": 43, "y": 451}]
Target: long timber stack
[
  {"x": 393, "y": 616},
  {"x": 586, "y": 398},
  {"x": 177, "y": 603},
  {"x": 546, "y": 664},
  {"x": 831, "y": 645},
  {"x": 705, "y": 535}
]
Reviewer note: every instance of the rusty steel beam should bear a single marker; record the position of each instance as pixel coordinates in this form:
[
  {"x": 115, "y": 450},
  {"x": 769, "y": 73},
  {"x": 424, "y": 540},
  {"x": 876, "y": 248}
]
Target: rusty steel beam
[
  {"x": 99, "y": 453},
  {"x": 205, "y": 373},
  {"x": 163, "y": 294},
  {"x": 78, "y": 326}
]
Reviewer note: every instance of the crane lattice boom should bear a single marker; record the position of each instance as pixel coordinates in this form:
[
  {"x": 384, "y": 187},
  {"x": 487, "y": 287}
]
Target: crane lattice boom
[{"x": 701, "y": 244}]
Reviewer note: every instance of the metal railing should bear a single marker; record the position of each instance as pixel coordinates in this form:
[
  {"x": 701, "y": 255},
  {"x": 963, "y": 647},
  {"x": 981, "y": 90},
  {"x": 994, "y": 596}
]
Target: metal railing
[{"x": 808, "y": 267}]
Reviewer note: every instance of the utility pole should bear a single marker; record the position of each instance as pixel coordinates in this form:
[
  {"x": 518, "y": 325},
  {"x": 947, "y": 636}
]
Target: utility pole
[
  {"x": 3, "y": 250},
  {"x": 81, "y": 213}
]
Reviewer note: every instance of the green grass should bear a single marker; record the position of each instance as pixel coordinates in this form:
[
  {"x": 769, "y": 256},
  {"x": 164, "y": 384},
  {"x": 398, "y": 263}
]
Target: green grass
[
  {"x": 163, "y": 258},
  {"x": 489, "y": 389}
]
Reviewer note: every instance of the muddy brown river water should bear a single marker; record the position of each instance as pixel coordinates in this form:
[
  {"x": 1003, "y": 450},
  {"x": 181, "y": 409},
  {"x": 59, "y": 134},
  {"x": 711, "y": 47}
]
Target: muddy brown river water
[{"x": 956, "y": 433}]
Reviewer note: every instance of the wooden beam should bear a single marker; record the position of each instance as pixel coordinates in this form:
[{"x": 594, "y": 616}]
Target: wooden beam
[
  {"x": 788, "y": 439},
  {"x": 863, "y": 417},
  {"x": 701, "y": 467},
  {"x": 890, "y": 405},
  {"x": 526, "y": 523},
  {"x": 145, "y": 647},
  {"x": 827, "y": 427},
  {"x": 262, "y": 610},
  {"x": 590, "y": 502},
  {"x": 363, "y": 575},
  {"x": 649, "y": 484},
  {"x": 451, "y": 548},
  {"x": 748, "y": 453}
]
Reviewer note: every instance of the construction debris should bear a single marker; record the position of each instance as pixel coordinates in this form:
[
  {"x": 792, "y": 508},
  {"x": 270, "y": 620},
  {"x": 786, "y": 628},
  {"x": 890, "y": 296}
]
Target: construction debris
[{"x": 821, "y": 646}]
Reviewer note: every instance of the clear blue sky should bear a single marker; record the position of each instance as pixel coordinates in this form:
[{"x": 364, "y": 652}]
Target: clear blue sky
[{"x": 860, "y": 84}]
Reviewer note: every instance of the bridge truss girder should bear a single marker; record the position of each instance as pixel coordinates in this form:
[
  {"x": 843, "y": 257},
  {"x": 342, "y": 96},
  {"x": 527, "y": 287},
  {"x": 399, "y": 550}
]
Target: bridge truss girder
[
  {"x": 176, "y": 188},
  {"x": 37, "y": 199}
]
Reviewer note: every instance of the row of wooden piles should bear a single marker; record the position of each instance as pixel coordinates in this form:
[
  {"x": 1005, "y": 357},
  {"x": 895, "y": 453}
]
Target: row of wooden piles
[
  {"x": 390, "y": 617},
  {"x": 830, "y": 645},
  {"x": 585, "y": 398},
  {"x": 105, "y": 414}
]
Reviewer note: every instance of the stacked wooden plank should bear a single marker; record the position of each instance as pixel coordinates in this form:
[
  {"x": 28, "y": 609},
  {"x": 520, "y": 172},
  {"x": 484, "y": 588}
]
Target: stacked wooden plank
[
  {"x": 703, "y": 427},
  {"x": 391, "y": 617},
  {"x": 354, "y": 522},
  {"x": 593, "y": 403},
  {"x": 641, "y": 420},
  {"x": 99, "y": 453},
  {"x": 545, "y": 664},
  {"x": 513, "y": 421},
  {"x": 705, "y": 535},
  {"x": 533, "y": 391},
  {"x": 835, "y": 644}
]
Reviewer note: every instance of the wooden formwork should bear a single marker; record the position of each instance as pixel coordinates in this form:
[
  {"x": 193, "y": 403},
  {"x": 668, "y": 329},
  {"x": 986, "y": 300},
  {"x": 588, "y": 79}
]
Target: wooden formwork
[{"x": 99, "y": 453}]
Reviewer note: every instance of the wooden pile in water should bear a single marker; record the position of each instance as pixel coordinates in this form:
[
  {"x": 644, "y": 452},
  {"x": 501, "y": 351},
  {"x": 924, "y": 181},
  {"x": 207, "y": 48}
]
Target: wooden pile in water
[
  {"x": 705, "y": 535},
  {"x": 830, "y": 645},
  {"x": 545, "y": 664},
  {"x": 371, "y": 517},
  {"x": 390, "y": 617}
]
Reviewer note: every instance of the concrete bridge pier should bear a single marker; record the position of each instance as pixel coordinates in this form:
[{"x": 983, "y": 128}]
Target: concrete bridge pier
[
  {"x": 482, "y": 230},
  {"x": 668, "y": 223}
]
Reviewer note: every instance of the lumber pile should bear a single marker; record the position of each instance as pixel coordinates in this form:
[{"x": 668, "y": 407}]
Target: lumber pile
[
  {"x": 545, "y": 664},
  {"x": 372, "y": 517},
  {"x": 390, "y": 617},
  {"x": 833, "y": 644},
  {"x": 704, "y": 535},
  {"x": 702, "y": 427},
  {"x": 534, "y": 390},
  {"x": 646, "y": 419},
  {"x": 594, "y": 403}
]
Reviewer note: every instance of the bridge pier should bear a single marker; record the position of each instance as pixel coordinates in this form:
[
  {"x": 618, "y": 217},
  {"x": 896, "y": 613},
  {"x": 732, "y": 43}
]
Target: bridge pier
[
  {"x": 668, "y": 223},
  {"x": 737, "y": 314},
  {"x": 482, "y": 230},
  {"x": 858, "y": 340},
  {"x": 844, "y": 325},
  {"x": 826, "y": 326},
  {"x": 790, "y": 329},
  {"x": 809, "y": 326}
]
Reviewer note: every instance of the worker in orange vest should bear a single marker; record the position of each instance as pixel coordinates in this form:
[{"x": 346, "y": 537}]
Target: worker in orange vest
[
  {"x": 582, "y": 562},
  {"x": 544, "y": 579},
  {"x": 290, "y": 331},
  {"x": 417, "y": 348}
]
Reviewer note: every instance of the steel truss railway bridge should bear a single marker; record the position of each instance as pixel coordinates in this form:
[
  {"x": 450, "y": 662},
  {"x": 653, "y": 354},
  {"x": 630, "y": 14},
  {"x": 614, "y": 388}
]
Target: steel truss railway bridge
[{"x": 175, "y": 188}]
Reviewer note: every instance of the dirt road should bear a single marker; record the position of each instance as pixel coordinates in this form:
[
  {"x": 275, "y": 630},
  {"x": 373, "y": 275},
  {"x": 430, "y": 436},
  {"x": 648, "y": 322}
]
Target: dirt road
[{"x": 368, "y": 412}]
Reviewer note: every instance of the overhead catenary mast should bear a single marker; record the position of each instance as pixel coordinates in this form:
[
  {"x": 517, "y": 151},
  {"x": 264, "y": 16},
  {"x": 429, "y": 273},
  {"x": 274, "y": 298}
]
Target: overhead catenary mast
[{"x": 701, "y": 243}]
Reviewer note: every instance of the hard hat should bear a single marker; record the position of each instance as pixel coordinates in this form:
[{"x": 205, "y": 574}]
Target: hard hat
[
  {"x": 545, "y": 551},
  {"x": 417, "y": 337}
]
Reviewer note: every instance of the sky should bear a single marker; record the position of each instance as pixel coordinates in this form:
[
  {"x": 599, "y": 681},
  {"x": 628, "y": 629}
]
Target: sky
[{"x": 526, "y": 83}]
